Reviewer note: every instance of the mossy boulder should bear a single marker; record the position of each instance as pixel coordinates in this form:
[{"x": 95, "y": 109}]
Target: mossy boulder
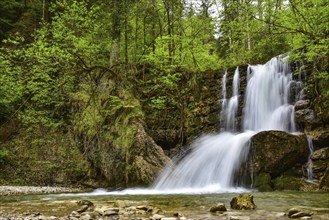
[
  {"x": 243, "y": 202},
  {"x": 275, "y": 152},
  {"x": 263, "y": 182}
]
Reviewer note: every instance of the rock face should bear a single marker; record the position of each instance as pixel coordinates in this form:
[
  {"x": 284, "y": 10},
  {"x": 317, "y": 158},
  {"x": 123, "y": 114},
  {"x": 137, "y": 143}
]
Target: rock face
[
  {"x": 149, "y": 158},
  {"x": 320, "y": 167},
  {"x": 243, "y": 202},
  {"x": 276, "y": 151},
  {"x": 273, "y": 158}
]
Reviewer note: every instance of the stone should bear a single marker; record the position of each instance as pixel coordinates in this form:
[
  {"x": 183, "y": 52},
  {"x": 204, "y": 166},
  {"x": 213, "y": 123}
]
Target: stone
[
  {"x": 84, "y": 202},
  {"x": 302, "y": 104},
  {"x": 158, "y": 217},
  {"x": 120, "y": 203},
  {"x": 243, "y": 202},
  {"x": 321, "y": 154},
  {"x": 220, "y": 207},
  {"x": 274, "y": 152},
  {"x": 82, "y": 209},
  {"x": 301, "y": 214},
  {"x": 110, "y": 212},
  {"x": 75, "y": 214},
  {"x": 85, "y": 217},
  {"x": 296, "y": 212},
  {"x": 306, "y": 217},
  {"x": 320, "y": 137}
]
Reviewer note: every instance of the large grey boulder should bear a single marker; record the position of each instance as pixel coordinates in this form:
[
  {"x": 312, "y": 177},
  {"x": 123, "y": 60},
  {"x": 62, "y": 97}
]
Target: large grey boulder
[{"x": 274, "y": 152}]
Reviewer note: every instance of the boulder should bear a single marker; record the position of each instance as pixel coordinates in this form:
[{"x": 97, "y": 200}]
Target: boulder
[
  {"x": 320, "y": 137},
  {"x": 220, "y": 207},
  {"x": 243, "y": 202},
  {"x": 321, "y": 154},
  {"x": 274, "y": 152},
  {"x": 302, "y": 104}
]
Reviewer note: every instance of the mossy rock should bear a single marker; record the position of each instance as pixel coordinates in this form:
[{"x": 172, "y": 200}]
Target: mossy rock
[
  {"x": 287, "y": 183},
  {"x": 243, "y": 202},
  {"x": 275, "y": 152},
  {"x": 263, "y": 182}
]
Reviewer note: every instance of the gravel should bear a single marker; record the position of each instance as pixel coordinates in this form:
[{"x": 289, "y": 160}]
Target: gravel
[{"x": 24, "y": 190}]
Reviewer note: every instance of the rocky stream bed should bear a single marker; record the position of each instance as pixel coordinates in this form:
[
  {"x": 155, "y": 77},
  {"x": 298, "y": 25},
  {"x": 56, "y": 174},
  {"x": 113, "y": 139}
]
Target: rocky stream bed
[{"x": 52, "y": 203}]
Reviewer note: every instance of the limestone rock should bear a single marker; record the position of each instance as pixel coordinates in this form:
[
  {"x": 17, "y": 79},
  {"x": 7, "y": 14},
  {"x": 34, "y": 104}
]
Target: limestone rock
[
  {"x": 220, "y": 207},
  {"x": 243, "y": 202}
]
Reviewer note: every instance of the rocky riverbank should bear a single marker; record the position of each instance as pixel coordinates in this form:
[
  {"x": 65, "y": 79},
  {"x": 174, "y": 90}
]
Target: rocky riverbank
[{"x": 25, "y": 190}]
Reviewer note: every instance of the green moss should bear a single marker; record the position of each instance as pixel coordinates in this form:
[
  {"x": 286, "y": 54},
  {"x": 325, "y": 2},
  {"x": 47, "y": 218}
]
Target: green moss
[
  {"x": 263, "y": 182},
  {"x": 287, "y": 183}
]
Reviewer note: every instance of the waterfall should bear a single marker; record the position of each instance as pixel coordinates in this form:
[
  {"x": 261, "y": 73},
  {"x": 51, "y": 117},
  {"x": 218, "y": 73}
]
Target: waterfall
[
  {"x": 223, "y": 100},
  {"x": 215, "y": 158},
  {"x": 309, "y": 168},
  {"x": 233, "y": 104}
]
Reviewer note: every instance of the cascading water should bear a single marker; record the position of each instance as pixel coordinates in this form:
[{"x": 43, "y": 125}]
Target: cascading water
[
  {"x": 214, "y": 159},
  {"x": 223, "y": 100},
  {"x": 309, "y": 167},
  {"x": 233, "y": 103}
]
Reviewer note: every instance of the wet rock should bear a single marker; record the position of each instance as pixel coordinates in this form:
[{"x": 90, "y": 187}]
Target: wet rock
[
  {"x": 321, "y": 154},
  {"x": 157, "y": 217},
  {"x": 75, "y": 214},
  {"x": 301, "y": 214},
  {"x": 263, "y": 182},
  {"x": 220, "y": 207},
  {"x": 302, "y": 104},
  {"x": 320, "y": 137},
  {"x": 298, "y": 212},
  {"x": 274, "y": 152},
  {"x": 243, "y": 202},
  {"x": 324, "y": 181},
  {"x": 82, "y": 209},
  {"x": 85, "y": 202}
]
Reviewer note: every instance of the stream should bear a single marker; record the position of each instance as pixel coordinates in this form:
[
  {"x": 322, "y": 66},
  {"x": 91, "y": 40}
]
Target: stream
[{"x": 270, "y": 205}]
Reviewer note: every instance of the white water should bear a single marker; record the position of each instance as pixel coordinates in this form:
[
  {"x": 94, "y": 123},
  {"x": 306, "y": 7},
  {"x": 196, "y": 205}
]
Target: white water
[
  {"x": 233, "y": 103},
  {"x": 214, "y": 159},
  {"x": 309, "y": 168},
  {"x": 223, "y": 100}
]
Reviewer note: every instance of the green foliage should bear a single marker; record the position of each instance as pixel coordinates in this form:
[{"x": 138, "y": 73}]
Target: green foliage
[
  {"x": 11, "y": 90},
  {"x": 4, "y": 155}
]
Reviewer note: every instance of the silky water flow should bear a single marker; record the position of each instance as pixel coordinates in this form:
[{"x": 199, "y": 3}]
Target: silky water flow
[{"x": 216, "y": 158}]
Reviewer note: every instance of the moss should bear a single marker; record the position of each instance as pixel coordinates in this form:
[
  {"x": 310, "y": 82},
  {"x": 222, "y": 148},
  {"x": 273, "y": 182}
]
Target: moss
[
  {"x": 263, "y": 182},
  {"x": 287, "y": 183}
]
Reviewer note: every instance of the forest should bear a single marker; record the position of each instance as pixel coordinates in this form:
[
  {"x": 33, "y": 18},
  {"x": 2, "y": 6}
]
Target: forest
[{"x": 83, "y": 83}]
